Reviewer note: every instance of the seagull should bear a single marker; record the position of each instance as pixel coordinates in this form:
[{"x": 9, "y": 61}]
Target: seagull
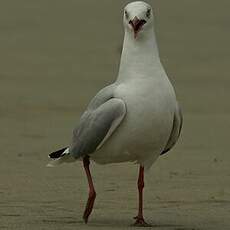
[{"x": 135, "y": 119}]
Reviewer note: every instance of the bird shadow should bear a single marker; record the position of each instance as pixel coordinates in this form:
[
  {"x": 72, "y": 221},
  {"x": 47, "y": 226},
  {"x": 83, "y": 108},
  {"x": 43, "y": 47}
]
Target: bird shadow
[
  {"x": 121, "y": 223},
  {"x": 105, "y": 223}
]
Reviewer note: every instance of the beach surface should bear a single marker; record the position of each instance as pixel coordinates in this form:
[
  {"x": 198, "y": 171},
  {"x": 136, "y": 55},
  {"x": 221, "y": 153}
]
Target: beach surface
[{"x": 54, "y": 57}]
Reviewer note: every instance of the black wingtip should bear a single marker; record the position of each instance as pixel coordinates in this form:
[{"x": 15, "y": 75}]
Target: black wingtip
[
  {"x": 57, "y": 153},
  {"x": 165, "y": 151}
]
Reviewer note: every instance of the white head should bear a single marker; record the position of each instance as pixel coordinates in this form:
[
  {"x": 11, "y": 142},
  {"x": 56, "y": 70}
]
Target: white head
[{"x": 138, "y": 17}]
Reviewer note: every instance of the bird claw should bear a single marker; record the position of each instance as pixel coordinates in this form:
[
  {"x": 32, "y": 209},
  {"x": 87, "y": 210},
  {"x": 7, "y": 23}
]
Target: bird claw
[{"x": 140, "y": 222}]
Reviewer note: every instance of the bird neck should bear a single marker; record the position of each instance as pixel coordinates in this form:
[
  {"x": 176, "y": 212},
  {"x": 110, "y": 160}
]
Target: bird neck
[{"x": 139, "y": 56}]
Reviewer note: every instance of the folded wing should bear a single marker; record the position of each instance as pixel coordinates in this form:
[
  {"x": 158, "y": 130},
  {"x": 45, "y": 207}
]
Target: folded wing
[
  {"x": 176, "y": 130},
  {"x": 103, "y": 116}
]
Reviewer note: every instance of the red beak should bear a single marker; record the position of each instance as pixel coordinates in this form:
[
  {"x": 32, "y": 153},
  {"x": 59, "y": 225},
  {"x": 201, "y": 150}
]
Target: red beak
[{"x": 136, "y": 24}]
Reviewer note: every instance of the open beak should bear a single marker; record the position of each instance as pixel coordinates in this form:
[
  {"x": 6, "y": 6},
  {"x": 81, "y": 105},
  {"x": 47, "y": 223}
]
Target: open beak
[{"x": 136, "y": 24}]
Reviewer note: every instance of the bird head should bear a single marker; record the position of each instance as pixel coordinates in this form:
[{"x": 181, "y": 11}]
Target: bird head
[{"x": 138, "y": 17}]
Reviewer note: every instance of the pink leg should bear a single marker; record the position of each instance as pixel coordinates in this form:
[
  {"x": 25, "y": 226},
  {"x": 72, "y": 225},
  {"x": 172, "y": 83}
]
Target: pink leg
[
  {"x": 139, "y": 218},
  {"x": 92, "y": 193}
]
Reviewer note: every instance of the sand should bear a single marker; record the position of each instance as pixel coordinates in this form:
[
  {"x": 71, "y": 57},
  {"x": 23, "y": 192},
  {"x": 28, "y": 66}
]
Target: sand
[{"x": 54, "y": 56}]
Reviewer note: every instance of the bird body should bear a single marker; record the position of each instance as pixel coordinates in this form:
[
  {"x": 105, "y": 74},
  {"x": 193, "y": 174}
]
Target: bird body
[
  {"x": 136, "y": 118},
  {"x": 145, "y": 130}
]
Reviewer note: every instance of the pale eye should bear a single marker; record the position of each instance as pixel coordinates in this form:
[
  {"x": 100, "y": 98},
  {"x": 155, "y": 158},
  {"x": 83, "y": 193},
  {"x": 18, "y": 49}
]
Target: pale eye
[
  {"x": 148, "y": 13},
  {"x": 126, "y": 14}
]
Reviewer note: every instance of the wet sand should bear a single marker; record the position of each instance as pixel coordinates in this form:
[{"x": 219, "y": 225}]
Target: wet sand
[{"x": 53, "y": 58}]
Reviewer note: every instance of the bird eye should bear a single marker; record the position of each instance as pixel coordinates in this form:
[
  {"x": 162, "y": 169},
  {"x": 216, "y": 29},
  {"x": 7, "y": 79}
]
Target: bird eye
[
  {"x": 148, "y": 13},
  {"x": 126, "y": 14}
]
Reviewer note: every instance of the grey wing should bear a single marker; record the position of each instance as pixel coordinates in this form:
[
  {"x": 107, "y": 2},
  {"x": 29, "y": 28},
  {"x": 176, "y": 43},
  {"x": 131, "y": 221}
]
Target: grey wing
[
  {"x": 103, "y": 116},
  {"x": 176, "y": 130}
]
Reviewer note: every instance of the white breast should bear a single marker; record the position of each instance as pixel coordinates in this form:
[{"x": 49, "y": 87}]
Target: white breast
[{"x": 145, "y": 130}]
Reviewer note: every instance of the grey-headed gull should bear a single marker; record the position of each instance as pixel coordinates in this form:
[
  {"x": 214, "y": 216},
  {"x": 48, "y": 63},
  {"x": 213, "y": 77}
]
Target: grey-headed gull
[{"x": 137, "y": 118}]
